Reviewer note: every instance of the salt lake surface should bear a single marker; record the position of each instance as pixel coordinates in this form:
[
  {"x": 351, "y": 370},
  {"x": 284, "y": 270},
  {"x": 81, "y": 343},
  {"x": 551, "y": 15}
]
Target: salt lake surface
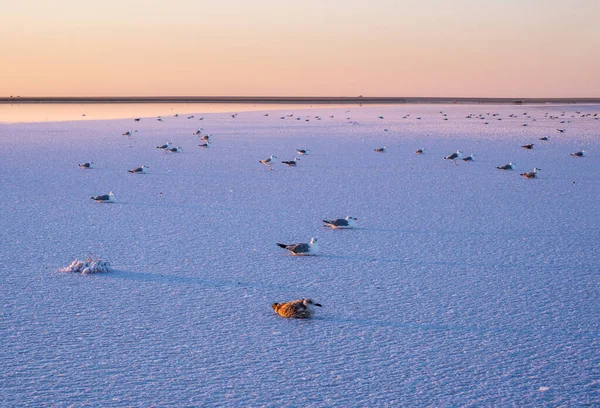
[{"x": 462, "y": 285}]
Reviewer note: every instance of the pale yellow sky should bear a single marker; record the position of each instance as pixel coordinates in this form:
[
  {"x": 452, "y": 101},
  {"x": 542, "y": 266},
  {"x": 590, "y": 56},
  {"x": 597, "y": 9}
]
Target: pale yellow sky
[{"x": 510, "y": 48}]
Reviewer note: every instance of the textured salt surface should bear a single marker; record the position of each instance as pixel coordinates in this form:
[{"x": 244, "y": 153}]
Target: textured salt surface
[{"x": 461, "y": 285}]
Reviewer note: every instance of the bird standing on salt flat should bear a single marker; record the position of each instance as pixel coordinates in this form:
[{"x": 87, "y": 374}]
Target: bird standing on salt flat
[
  {"x": 106, "y": 198},
  {"x": 528, "y": 147},
  {"x": 420, "y": 151},
  {"x": 175, "y": 149},
  {"x": 139, "y": 170},
  {"x": 88, "y": 165},
  {"x": 579, "y": 154},
  {"x": 347, "y": 222},
  {"x": 165, "y": 146},
  {"x": 206, "y": 138},
  {"x": 199, "y": 131},
  {"x": 311, "y": 248},
  {"x": 454, "y": 156},
  {"x": 291, "y": 163},
  {"x": 268, "y": 161},
  {"x": 469, "y": 158},
  {"x": 531, "y": 174},
  {"x": 302, "y": 151},
  {"x": 509, "y": 166},
  {"x": 381, "y": 149},
  {"x": 561, "y": 130},
  {"x": 204, "y": 145},
  {"x": 299, "y": 309}
]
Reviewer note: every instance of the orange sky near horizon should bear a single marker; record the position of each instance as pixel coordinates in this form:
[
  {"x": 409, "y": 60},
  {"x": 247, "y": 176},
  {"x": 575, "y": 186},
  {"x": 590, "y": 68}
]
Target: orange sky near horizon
[{"x": 528, "y": 48}]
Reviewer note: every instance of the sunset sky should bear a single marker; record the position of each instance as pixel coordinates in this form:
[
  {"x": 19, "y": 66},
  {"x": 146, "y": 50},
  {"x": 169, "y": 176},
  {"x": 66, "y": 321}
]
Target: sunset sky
[{"x": 485, "y": 48}]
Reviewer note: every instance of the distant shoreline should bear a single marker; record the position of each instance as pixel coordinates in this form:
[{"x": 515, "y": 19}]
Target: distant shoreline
[{"x": 295, "y": 100}]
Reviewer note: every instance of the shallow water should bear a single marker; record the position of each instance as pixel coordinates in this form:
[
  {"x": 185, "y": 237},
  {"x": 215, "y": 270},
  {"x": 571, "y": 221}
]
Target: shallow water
[{"x": 59, "y": 112}]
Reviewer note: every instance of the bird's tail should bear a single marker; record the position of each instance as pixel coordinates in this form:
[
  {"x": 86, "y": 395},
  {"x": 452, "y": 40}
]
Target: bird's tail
[
  {"x": 327, "y": 222},
  {"x": 131, "y": 171},
  {"x": 282, "y": 245}
]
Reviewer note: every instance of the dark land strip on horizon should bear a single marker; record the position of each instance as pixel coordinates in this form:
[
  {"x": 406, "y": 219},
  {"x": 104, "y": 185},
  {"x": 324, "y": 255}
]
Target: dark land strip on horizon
[{"x": 356, "y": 100}]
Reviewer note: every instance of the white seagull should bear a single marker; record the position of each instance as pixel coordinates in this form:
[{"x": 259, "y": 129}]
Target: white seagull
[
  {"x": 165, "y": 146},
  {"x": 139, "y": 170},
  {"x": 469, "y": 158},
  {"x": 175, "y": 149},
  {"x": 302, "y": 151},
  {"x": 268, "y": 161},
  {"x": 347, "y": 222},
  {"x": 454, "y": 156},
  {"x": 302, "y": 249},
  {"x": 531, "y": 174},
  {"x": 509, "y": 166},
  {"x": 291, "y": 163},
  {"x": 106, "y": 198},
  {"x": 579, "y": 154},
  {"x": 381, "y": 149},
  {"x": 420, "y": 151},
  {"x": 88, "y": 165}
]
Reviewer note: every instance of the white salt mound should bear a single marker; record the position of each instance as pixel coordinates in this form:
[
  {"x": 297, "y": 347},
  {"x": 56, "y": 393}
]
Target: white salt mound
[{"x": 87, "y": 266}]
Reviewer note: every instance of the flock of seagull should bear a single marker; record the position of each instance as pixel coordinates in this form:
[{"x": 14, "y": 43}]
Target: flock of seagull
[
  {"x": 303, "y": 308},
  {"x": 458, "y": 155}
]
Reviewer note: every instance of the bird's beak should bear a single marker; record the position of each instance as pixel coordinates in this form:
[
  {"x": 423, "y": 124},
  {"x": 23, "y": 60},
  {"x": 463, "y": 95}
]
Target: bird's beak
[{"x": 318, "y": 304}]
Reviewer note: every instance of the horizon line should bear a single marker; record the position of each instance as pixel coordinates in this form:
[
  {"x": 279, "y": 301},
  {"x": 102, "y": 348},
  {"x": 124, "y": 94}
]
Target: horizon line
[{"x": 293, "y": 99}]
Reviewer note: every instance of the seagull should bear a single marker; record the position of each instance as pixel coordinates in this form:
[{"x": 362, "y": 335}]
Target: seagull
[
  {"x": 469, "y": 158},
  {"x": 420, "y": 151},
  {"x": 509, "y": 166},
  {"x": 137, "y": 119},
  {"x": 562, "y": 130},
  {"x": 106, "y": 198},
  {"x": 545, "y": 138},
  {"x": 165, "y": 146},
  {"x": 347, "y": 222},
  {"x": 204, "y": 145},
  {"x": 528, "y": 147},
  {"x": 302, "y": 151},
  {"x": 128, "y": 133},
  {"x": 579, "y": 154},
  {"x": 532, "y": 174},
  {"x": 303, "y": 248},
  {"x": 291, "y": 163},
  {"x": 381, "y": 149},
  {"x": 175, "y": 149},
  {"x": 454, "y": 156},
  {"x": 139, "y": 170},
  {"x": 267, "y": 161},
  {"x": 205, "y": 137},
  {"x": 299, "y": 309},
  {"x": 199, "y": 131},
  {"x": 88, "y": 165}
]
